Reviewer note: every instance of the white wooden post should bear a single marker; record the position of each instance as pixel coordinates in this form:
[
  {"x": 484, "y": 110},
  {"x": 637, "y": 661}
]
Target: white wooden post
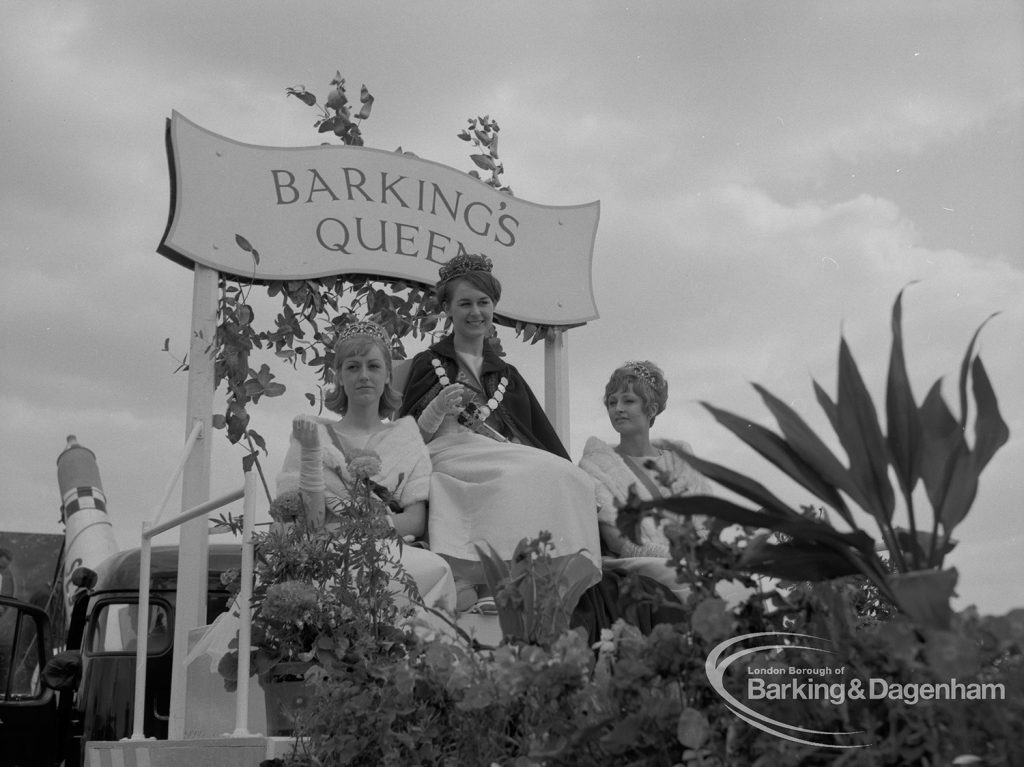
[
  {"x": 190, "y": 605},
  {"x": 556, "y": 384}
]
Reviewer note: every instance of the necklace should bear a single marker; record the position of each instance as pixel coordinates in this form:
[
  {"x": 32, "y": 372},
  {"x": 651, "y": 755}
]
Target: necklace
[{"x": 482, "y": 411}]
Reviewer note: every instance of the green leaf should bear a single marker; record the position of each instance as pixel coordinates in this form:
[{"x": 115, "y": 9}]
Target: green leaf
[
  {"x": 258, "y": 440},
  {"x": 990, "y": 430},
  {"x": 904, "y": 425},
  {"x": 796, "y": 560},
  {"x": 947, "y": 468},
  {"x": 738, "y": 483},
  {"x": 795, "y": 526},
  {"x": 243, "y": 243},
  {"x": 922, "y": 544},
  {"x": 781, "y": 453},
  {"x": 964, "y": 366},
  {"x": 496, "y": 572},
  {"x": 831, "y": 411},
  {"x": 862, "y": 438},
  {"x": 693, "y": 728},
  {"x": 274, "y": 389},
  {"x": 367, "y": 101},
  {"x": 484, "y": 161},
  {"x": 924, "y": 595}
]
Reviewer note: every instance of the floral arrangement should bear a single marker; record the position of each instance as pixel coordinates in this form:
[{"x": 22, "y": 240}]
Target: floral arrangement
[{"x": 319, "y": 592}]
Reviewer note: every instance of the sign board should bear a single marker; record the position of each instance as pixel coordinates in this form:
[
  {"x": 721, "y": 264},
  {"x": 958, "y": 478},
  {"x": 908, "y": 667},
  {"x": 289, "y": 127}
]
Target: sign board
[{"x": 329, "y": 210}]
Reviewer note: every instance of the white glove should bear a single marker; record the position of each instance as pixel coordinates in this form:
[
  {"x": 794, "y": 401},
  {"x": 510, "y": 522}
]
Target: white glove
[
  {"x": 630, "y": 549},
  {"x": 306, "y": 432},
  {"x": 447, "y": 402}
]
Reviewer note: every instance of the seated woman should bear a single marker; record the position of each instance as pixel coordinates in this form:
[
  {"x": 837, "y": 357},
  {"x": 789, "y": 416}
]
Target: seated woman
[
  {"x": 321, "y": 451},
  {"x": 634, "y": 396},
  {"x": 501, "y": 473}
]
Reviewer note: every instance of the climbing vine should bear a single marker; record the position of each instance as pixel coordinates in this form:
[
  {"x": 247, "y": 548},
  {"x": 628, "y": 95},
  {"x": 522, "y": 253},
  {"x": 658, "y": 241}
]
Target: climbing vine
[{"x": 312, "y": 312}]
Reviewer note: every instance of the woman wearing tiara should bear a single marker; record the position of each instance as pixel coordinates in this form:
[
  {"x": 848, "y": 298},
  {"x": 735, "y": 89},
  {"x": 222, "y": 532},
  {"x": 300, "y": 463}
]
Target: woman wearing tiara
[
  {"x": 324, "y": 453},
  {"x": 634, "y": 396},
  {"x": 501, "y": 473}
]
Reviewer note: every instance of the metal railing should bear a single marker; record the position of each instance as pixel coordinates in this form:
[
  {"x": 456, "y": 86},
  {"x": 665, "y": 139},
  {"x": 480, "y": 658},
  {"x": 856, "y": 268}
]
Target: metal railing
[{"x": 249, "y": 492}]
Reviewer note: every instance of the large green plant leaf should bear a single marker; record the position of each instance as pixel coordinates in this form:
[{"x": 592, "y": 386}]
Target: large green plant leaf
[
  {"x": 796, "y": 561},
  {"x": 798, "y": 527},
  {"x": 924, "y": 595},
  {"x": 990, "y": 430},
  {"x": 861, "y": 437},
  {"x": 965, "y": 367},
  {"x": 738, "y": 483},
  {"x": 780, "y": 454},
  {"x": 813, "y": 451},
  {"x": 856, "y": 549},
  {"x": 904, "y": 426},
  {"x": 496, "y": 571},
  {"x": 852, "y": 487},
  {"x": 947, "y": 467}
]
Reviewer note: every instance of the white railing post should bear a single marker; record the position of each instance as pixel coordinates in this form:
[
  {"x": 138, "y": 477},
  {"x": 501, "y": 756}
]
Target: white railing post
[
  {"x": 142, "y": 635},
  {"x": 245, "y": 606},
  {"x": 190, "y": 443}
]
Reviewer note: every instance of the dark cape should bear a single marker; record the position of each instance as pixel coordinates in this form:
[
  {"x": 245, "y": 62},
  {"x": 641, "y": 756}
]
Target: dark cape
[{"x": 520, "y": 414}]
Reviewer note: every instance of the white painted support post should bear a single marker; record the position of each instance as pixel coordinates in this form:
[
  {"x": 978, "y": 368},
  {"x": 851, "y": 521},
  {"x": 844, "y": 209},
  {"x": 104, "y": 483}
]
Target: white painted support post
[
  {"x": 556, "y": 384},
  {"x": 252, "y": 490},
  {"x": 190, "y": 604},
  {"x": 142, "y": 634}
]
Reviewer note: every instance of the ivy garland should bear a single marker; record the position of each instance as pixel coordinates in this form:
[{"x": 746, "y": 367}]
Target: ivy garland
[{"x": 313, "y": 311}]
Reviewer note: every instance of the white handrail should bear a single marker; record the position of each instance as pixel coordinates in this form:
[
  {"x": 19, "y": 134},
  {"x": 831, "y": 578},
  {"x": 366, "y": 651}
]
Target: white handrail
[
  {"x": 196, "y": 511},
  {"x": 245, "y": 608},
  {"x": 250, "y": 492},
  {"x": 193, "y": 437}
]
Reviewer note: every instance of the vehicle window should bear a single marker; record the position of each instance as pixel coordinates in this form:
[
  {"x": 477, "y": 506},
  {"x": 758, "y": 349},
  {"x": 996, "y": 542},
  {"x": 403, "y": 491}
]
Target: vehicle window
[
  {"x": 21, "y": 654},
  {"x": 115, "y": 624}
]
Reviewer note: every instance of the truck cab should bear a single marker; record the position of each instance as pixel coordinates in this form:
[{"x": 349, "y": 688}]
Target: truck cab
[
  {"x": 28, "y": 709},
  {"x": 94, "y": 675}
]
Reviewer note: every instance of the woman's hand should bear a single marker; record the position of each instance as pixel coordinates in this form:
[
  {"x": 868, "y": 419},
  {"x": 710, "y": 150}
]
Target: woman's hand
[
  {"x": 447, "y": 402},
  {"x": 449, "y": 399},
  {"x": 306, "y": 431}
]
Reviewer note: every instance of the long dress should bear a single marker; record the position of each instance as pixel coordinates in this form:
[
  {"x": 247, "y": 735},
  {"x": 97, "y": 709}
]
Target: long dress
[
  {"x": 615, "y": 475},
  {"x": 405, "y": 471},
  {"x": 485, "y": 491}
]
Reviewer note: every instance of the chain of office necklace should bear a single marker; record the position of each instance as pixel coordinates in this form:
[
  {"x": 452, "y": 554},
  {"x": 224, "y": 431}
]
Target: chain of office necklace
[{"x": 484, "y": 410}]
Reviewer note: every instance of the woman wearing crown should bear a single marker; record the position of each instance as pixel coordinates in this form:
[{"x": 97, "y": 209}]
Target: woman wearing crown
[
  {"x": 501, "y": 473},
  {"x": 634, "y": 396},
  {"x": 326, "y": 456}
]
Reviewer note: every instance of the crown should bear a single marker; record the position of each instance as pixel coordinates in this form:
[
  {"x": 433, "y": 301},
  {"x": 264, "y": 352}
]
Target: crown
[
  {"x": 641, "y": 371},
  {"x": 365, "y": 328},
  {"x": 463, "y": 263}
]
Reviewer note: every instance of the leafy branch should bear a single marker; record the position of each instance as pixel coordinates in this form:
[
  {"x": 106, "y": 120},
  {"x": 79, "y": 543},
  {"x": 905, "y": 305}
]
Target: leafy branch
[{"x": 482, "y": 133}]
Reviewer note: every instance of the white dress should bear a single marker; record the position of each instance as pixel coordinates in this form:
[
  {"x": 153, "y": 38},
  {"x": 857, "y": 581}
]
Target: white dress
[
  {"x": 614, "y": 480},
  {"x": 405, "y": 471},
  {"x": 497, "y": 493}
]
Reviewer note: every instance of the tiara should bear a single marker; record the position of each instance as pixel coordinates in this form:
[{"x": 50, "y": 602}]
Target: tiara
[
  {"x": 463, "y": 263},
  {"x": 365, "y": 328},
  {"x": 641, "y": 371}
]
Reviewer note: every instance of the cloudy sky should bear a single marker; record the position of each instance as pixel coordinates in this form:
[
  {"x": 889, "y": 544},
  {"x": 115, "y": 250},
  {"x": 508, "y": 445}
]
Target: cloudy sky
[{"x": 770, "y": 176}]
